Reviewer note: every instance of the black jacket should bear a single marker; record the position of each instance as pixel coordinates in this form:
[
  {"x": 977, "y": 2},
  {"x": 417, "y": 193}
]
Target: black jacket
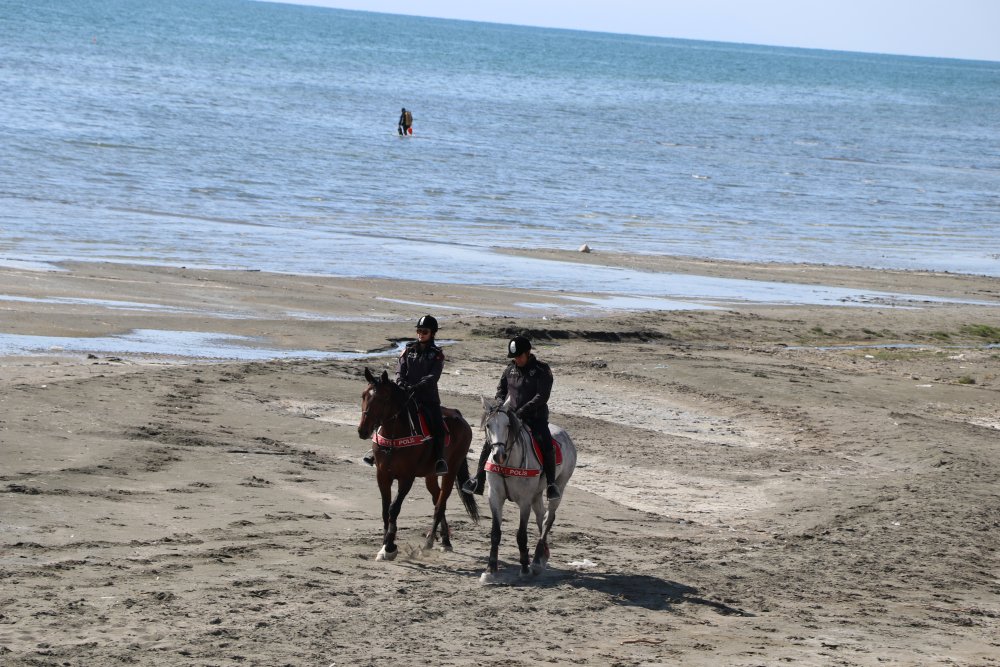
[
  {"x": 528, "y": 389},
  {"x": 420, "y": 369}
]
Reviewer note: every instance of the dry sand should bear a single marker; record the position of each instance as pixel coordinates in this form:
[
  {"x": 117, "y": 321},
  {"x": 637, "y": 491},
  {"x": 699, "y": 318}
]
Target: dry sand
[{"x": 745, "y": 495}]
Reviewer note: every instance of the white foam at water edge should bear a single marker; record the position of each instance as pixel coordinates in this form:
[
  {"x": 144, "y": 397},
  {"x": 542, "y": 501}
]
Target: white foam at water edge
[{"x": 27, "y": 265}]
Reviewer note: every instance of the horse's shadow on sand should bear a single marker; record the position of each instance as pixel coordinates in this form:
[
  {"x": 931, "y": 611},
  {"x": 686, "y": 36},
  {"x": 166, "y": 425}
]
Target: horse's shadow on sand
[
  {"x": 634, "y": 590},
  {"x": 629, "y": 590}
]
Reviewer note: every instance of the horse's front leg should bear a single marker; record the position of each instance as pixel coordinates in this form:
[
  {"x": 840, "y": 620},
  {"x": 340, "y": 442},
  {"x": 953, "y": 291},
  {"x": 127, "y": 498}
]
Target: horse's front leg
[
  {"x": 385, "y": 490},
  {"x": 522, "y": 536},
  {"x": 389, "y": 549},
  {"x": 496, "y": 509}
]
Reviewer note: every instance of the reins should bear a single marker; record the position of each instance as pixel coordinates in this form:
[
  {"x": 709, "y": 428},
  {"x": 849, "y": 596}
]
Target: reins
[
  {"x": 514, "y": 428},
  {"x": 394, "y": 417}
]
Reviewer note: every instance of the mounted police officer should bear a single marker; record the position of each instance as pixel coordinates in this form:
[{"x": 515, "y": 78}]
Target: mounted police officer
[
  {"x": 526, "y": 384},
  {"x": 418, "y": 370}
]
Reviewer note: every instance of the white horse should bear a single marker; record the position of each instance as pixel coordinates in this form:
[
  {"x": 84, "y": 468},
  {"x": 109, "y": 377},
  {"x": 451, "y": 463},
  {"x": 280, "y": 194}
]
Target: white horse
[{"x": 514, "y": 473}]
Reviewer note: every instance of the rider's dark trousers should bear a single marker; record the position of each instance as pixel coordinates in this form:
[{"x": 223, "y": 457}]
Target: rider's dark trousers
[
  {"x": 435, "y": 423},
  {"x": 540, "y": 429},
  {"x": 435, "y": 420}
]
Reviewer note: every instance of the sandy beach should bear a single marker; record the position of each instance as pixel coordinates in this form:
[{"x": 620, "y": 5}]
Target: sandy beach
[{"x": 757, "y": 485}]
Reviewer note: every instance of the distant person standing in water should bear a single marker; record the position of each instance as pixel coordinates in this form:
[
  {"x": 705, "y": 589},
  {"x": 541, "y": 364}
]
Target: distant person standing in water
[{"x": 405, "y": 121}]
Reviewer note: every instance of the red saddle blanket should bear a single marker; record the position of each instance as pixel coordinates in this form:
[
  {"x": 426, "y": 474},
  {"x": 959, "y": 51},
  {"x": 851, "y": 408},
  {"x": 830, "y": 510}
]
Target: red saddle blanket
[
  {"x": 524, "y": 472},
  {"x": 416, "y": 438},
  {"x": 538, "y": 449}
]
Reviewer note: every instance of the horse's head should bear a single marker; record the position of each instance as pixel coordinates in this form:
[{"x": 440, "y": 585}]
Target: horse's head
[
  {"x": 379, "y": 401},
  {"x": 500, "y": 425}
]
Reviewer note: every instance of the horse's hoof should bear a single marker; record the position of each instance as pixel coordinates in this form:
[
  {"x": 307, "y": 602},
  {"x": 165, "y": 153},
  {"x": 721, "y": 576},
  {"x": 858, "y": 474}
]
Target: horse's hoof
[
  {"x": 387, "y": 555},
  {"x": 537, "y": 567},
  {"x": 488, "y": 578},
  {"x": 446, "y": 548}
]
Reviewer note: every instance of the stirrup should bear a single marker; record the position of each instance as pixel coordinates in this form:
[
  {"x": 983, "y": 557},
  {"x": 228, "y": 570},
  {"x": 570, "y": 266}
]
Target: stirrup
[
  {"x": 552, "y": 492},
  {"x": 369, "y": 458},
  {"x": 471, "y": 486},
  {"x": 441, "y": 467}
]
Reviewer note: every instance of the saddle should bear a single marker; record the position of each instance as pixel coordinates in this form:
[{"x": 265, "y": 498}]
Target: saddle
[
  {"x": 507, "y": 471},
  {"x": 538, "y": 448},
  {"x": 418, "y": 423},
  {"x": 419, "y": 430}
]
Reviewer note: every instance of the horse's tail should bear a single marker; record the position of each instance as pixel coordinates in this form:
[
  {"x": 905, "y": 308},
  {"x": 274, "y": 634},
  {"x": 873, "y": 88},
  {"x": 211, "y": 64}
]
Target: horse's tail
[{"x": 468, "y": 499}]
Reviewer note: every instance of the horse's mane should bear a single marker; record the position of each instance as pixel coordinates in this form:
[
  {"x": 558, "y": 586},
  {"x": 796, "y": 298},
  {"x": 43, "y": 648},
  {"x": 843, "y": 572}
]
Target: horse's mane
[
  {"x": 515, "y": 421},
  {"x": 398, "y": 395}
]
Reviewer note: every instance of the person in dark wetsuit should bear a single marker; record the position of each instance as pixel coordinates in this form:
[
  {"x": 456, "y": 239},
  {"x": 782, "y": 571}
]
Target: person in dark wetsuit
[
  {"x": 418, "y": 370},
  {"x": 526, "y": 382},
  {"x": 405, "y": 121}
]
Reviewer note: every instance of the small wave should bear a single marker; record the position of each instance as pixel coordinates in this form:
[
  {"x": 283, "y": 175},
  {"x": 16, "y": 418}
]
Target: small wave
[
  {"x": 105, "y": 144},
  {"x": 188, "y": 216},
  {"x": 855, "y": 160}
]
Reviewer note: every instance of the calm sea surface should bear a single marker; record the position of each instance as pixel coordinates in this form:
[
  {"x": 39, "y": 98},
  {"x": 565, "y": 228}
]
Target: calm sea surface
[{"x": 245, "y": 134}]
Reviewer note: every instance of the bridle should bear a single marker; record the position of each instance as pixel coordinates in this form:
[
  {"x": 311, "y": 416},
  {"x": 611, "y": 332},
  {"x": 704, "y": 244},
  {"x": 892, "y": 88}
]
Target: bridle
[
  {"x": 369, "y": 393},
  {"x": 514, "y": 428}
]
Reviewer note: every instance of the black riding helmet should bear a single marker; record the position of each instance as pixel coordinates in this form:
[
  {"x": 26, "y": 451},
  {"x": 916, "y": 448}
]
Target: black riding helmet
[
  {"x": 517, "y": 346},
  {"x": 428, "y": 322}
]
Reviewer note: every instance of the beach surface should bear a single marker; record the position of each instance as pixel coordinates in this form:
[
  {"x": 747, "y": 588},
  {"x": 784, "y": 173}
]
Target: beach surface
[{"x": 757, "y": 484}]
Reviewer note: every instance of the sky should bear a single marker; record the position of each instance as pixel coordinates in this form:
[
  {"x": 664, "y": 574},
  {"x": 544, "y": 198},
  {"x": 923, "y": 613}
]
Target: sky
[{"x": 967, "y": 29}]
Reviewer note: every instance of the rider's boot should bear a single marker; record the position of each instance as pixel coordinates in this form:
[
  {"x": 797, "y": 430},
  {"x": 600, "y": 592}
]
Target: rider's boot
[
  {"x": 369, "y": 458},
  {"x": 476, "y": 483},
  {"x": 440, "y": 466},
  {"x": 549, "y": 466}
]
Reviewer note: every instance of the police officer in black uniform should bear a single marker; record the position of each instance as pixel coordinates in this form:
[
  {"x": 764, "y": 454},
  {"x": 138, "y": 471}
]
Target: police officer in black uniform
[
  {"x": 418, "y": 370},
  {"x": 527, "y": 382}
]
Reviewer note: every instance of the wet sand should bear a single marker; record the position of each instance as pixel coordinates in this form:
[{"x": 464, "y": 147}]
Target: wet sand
[{"x": 758, "y": 484}]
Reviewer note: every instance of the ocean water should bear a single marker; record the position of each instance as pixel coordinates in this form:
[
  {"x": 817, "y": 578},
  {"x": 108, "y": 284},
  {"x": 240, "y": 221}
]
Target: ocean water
[{"x": 233, "y": 133}]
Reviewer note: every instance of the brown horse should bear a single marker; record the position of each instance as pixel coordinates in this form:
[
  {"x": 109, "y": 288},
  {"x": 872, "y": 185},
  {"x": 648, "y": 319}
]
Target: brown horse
[{"x": 402, "y": 456}]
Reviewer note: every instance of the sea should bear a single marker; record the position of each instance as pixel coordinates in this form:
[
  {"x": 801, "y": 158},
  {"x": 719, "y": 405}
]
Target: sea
[{"x": 263, "y": 136}]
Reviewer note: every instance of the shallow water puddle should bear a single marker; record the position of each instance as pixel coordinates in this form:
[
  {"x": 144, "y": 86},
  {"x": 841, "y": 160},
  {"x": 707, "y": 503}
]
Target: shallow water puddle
[{"x": 196, "y": 344}]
